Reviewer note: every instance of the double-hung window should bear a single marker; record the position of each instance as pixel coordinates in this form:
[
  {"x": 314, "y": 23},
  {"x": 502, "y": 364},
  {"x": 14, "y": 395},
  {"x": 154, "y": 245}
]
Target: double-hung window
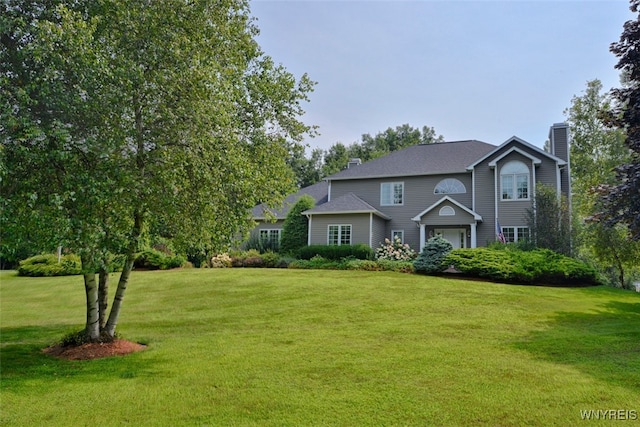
[
  {"x": 339, "y": 234},
  {"x": 270, "y": 238},
  {"x": 392, "y": 193},
  {"x": 514, "y": 181},
  {"x": 515, "y": 234}
]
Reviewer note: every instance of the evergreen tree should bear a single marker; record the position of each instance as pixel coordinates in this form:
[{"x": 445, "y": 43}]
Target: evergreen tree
[{"x": 296, "y": 226}]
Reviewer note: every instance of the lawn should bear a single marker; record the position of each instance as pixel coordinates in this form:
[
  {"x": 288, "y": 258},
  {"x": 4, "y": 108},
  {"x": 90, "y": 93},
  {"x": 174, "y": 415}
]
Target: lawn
[{"x": 261, "y": 347}]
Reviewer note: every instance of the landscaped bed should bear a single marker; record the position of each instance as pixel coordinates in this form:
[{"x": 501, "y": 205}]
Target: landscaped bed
[{"x": 310, "y": 347}]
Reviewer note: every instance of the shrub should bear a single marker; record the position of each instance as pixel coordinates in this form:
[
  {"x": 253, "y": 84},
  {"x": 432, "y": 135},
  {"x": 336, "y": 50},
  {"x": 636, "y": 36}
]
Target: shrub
[
  {"x": 220, "y": 261},
  {"x": 539, "y": 266},
  {"x": 254, "y": 261},
  {"x": 296, "y": 226},
  {"x": 316, "y": 262},
  {"x": 336, "y": 252},
  {"x": 430, "y": 259},
  {"x": 395, "y": 251},
  {"x": 48, "y": 265},
  {"x": 270, "y": 259},
  {"x": 397, "y": 266},
  {"x": 152, "y": 259},
  {"x": 261, "y": 245}
]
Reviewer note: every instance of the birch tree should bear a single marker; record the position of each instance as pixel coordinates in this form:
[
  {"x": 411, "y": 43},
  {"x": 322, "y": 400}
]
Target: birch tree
[{"x": 120, "y": 115}]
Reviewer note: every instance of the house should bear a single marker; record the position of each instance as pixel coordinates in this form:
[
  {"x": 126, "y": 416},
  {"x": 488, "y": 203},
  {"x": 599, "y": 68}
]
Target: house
[
  {"x": 465, "y": 191},
  {"x": 271, "y": 221}
]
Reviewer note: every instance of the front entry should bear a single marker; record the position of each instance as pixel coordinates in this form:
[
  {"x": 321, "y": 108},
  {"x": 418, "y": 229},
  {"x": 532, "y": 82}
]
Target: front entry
[{"x": 456, "y": 236}]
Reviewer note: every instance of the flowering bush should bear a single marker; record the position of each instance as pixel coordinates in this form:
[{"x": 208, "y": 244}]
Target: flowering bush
[
  {"x": 395, "y": 251},
  {"x": 221, "y": 261}
]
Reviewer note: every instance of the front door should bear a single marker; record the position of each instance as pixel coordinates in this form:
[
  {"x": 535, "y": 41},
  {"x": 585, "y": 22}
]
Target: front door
[{"x": 456, "y": 236}]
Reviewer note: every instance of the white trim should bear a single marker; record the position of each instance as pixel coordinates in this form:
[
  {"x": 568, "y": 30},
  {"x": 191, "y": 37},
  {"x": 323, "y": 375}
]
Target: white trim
[
  {"x": 447, "y": 211},
  {"x": 309, "y": 230},
  {"x": 340, "y": 226},
  {"x": 476, "y": 216},
  {"x": 521, "y": 141},
  {"x": 494, "y": 162},
  {"x": 392, "y": 185},
  {"x": 370, "y": 229},
  {"x": 514, "y": 179},
  {"x": 401, "y": 231},
  {"x": 423, "y": 236},
  {"x": 474, "y": 235}
]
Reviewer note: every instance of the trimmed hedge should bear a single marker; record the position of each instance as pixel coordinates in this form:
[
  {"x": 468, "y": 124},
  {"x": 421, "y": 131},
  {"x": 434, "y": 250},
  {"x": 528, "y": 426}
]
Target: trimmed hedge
[
  {"x": 539, "y": 266},
  {"x": 47, "y": 265},
  {"x": 152, "y": 259},
  {"x": 336, "y": 252}
]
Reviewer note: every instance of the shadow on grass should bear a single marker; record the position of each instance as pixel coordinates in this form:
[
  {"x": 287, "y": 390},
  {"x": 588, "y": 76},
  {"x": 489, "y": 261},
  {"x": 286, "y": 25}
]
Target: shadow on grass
[
  {"x": 604, "y": 344},
  {"x": 24, "y": 362}
]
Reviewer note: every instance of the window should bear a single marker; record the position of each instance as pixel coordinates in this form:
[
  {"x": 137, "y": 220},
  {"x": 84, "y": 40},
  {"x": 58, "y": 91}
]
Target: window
[
  {"x": 392, "y": 193},
  {"x": 514, "y": 181},
  {"x": 397, "y": 234},
  {"x": 270, "y": 238},
  {"x": 339, "y": 235},
  {"x": 450, "y": 186},
  {"x": 515, "y": 234},
  {"x": 446, "y": 211}
]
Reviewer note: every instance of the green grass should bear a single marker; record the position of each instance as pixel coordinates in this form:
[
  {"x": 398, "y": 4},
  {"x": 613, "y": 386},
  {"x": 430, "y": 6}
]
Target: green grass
[{"x": 255, "y": 347}]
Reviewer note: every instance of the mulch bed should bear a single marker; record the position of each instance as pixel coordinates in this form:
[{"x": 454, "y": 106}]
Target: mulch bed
[{"x": 94, "y": 350}]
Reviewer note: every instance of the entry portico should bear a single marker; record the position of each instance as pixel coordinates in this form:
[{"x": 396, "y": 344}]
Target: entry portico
[{"x": 452, "y": 220}]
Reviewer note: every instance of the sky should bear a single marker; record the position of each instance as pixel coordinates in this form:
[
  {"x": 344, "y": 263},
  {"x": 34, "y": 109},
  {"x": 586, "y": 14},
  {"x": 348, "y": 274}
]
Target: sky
[{"x": 484, "y": 70}]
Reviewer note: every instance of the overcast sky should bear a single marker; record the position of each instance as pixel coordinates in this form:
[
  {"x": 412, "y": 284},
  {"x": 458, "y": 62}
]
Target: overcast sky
[{"x": 484, "y": 70}]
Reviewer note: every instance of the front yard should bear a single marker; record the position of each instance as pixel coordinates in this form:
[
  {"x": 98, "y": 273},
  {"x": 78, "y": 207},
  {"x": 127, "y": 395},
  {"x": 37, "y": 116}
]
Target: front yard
[{"x": 309, "y": 347}]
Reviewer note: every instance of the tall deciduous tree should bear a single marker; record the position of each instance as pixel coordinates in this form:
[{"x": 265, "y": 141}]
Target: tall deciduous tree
[
  {"x": 622, "y": 200},
  {"x": 596, "y": 150},
  {"x": 119, "y": 115}
]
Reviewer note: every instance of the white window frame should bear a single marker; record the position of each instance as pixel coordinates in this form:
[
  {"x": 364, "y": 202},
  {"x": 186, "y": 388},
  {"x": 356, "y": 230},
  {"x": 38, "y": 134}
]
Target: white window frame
[
  {"x": 513, "y": 179},
  {"x": 388, "y": 193},
  {"x": 447, "y": 211},
  {"x": 450, "y": 186},
  {"x": 342, "y": 228},
  {"x": 513, "y": 234},
  {"x": 399, "y": 233},
  {"x": 270, "y": 232}
]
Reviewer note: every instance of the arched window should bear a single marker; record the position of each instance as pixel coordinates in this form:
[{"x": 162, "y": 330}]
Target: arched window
[
  {"x": 514, "y": 181},
  {"x": 447, "y": 211},
  {"x": 450, "y": 186}
]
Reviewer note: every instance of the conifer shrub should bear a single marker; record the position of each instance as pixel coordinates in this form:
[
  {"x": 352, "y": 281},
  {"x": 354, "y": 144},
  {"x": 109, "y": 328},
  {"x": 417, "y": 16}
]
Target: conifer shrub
[
  {"x": 538, "y": 266},
  {"x": 430, "y": 259},
  {"x": 47, "y": 265}
]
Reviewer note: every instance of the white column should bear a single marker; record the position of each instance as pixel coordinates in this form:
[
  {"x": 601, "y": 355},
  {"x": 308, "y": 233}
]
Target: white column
[
  {"x": 474, "y": 244},
  {"x": 423, "y": 235}
]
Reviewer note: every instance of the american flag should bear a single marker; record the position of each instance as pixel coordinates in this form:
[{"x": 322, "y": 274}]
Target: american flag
[{"x": 499, "y": 232}]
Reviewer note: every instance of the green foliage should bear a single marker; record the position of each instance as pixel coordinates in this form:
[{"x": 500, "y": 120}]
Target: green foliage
[
  {"x": 549, "y": 223},
  {"x": 270, "y": 259},
  {"x": 430, "y": 259},
  {"x": 296, "y": 226},
  {"x": 622, "y": 200},
  {"x": 395, "y": 251},
  {"x": 261, "y": 245},
  {"x": 152, "y": 259},
  {"x": 539, "y": 266},
  {"x": 336, "y": 252},
  {"x": 116, "y": 117},
  {"x": 48, "y": 265}
]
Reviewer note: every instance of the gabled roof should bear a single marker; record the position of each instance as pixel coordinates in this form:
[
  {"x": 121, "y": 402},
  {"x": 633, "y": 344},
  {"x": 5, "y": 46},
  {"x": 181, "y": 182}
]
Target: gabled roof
[
  {"x": 475, "y": 216},
  {"x": 423, "y": 159},
  {"x": 319, "y": 191},
  {"x": 558, "y": 160},
  {"x": 346, "y": 204}
]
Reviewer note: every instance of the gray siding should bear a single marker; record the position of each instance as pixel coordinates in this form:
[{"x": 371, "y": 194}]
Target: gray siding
[
  {"x": 379, "y": 231},
  {"x": 359, "y": 227},
  {"x": 418, "y": 196}
]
